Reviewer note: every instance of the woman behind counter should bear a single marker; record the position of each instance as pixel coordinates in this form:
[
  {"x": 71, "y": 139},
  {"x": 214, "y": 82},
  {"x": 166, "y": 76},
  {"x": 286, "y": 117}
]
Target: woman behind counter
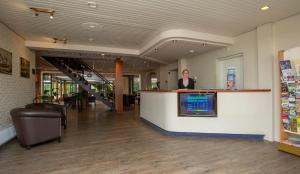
[{"x": 185, "y": 82}]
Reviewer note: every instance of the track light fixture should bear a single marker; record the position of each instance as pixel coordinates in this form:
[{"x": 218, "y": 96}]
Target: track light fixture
[
  {"x": 63, "y": 40},
  {"x": 51, "y": 15},
  {"x": 37, "y": 11}
]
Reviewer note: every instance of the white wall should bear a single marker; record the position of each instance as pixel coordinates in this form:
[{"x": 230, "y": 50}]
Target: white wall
[
  {"x": 204, "y": 65},
  {"x": 286, "y": 36},
  {"x": 15, "y": 91},
  {"x": 165, "y": 76},
  {"x": 162, "y": 75},
  {"x": 260, "y": 48}
]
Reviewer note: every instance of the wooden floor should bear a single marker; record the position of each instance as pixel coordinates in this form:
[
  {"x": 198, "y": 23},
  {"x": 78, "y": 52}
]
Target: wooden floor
[{"x": 100, "y": 142}]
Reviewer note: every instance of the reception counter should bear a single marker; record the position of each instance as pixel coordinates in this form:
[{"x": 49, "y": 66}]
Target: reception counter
[{"x": 240, "y": 114}]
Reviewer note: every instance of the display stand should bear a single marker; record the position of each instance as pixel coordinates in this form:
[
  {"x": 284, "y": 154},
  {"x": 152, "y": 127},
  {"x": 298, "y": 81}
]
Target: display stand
[{"x": 289, "y": 105}]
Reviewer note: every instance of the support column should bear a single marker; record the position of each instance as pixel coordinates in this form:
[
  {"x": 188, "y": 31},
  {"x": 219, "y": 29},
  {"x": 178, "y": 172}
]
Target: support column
[{"x": 119, "y": 85}]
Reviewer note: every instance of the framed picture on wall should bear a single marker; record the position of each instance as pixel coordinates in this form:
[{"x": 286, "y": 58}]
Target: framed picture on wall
[
  {"x": 5, "y": 61},
  {"x": 25, "y": 68}
]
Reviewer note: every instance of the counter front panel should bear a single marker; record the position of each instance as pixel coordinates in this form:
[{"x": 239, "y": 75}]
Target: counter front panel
[{"x": 238, "y": 113}]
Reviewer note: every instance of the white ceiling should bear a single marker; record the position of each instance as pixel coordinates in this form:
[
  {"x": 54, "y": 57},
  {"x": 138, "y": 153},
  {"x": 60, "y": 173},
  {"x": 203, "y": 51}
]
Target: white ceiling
[{"x": 131, "y": 23}]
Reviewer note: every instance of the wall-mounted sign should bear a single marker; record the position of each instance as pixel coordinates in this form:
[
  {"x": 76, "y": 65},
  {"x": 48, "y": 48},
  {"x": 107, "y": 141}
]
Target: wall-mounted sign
[
  {"x": 24, "y": 68},
  {"x": 5, "y": 61}
]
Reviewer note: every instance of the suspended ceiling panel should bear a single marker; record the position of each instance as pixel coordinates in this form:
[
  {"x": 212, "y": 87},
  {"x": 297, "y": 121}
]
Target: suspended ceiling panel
[
  {"x": 173, "y": 50},
  {"x": 101, "y": 63}
]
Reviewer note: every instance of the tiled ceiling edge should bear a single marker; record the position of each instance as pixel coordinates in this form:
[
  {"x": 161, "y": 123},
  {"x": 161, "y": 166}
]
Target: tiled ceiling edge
[
  {"x": 36, "y": 45},
  {"x": 185, "y": 35}
]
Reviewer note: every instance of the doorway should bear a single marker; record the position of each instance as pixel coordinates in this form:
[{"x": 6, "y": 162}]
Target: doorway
[
  {"x": 230, "y": 72},
  {"x": 172, "y": 79}
]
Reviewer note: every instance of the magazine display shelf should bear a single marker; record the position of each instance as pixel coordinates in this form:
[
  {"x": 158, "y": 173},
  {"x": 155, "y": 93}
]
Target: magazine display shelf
[{"x": 289, "y": 135}]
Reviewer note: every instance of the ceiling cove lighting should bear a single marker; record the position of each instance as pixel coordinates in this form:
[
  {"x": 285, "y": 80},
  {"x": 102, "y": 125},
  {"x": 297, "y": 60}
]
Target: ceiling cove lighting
[
  {"x": 37, "y": 11},
  {"x": 264, "y": 8}
]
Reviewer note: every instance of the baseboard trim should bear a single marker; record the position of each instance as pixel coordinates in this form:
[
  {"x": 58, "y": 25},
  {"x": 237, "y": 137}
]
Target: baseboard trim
[
  {"x": 198, "y": 134},
  {"x": 7, "y": 134}
]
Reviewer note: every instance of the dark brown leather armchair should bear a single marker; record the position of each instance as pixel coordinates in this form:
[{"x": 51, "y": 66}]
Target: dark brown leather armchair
[
  {"x": 56, "y": 107},
  {"x": 34, "y": 126}
]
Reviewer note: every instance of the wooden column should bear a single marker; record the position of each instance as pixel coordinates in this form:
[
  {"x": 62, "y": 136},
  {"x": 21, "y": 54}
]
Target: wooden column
[{"x": 119, "y": 85}]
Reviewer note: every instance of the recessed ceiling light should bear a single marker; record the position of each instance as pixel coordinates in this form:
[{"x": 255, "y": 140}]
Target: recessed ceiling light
[
  {"x": 102, "y": 54},
  {"x": 91, "y": 39},
  {"x": 91, "y": 26},
  {"x": 92, "y": 4},
  {"x": 192, "y": 51},
  {"x": 264, "y": 8}
]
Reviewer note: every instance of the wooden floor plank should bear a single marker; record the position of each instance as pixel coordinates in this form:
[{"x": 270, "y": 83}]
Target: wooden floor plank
[{"x": 98, "y": 141}]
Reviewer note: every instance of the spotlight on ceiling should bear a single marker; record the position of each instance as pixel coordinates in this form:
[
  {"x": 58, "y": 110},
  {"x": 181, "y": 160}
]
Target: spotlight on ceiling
[
  {"x": 192, "y": 51},
  {"x": 264, "y": 8},
  {"x": 92, "y": 4},
  {"x": 51, "y": 15},
  {"x": 37, "y": 11}
]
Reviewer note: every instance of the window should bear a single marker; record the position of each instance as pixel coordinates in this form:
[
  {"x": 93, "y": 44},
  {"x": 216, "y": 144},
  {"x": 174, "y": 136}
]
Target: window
[
  {"x": 136, "y": 84},
  {"x": 154, "y": 82}
]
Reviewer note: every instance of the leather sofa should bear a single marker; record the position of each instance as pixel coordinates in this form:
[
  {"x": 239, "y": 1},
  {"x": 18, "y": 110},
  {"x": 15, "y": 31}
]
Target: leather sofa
[
  {"x": 35, "y": 126},
  {"x": 56, "y": 107}
]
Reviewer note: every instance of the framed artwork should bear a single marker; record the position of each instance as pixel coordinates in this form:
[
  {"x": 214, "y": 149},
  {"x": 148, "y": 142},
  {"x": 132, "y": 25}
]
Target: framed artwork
[
  {"x": 25, "y": 68},
  {"x": 5, "y": 61}
]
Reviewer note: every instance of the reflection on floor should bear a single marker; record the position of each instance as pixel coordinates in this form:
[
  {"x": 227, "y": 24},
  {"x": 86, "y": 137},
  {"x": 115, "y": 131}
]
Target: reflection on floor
[{"x": 98, "y": 141}]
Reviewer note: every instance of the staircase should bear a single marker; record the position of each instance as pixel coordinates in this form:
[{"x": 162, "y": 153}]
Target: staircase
[{"x": 74, "y": 68}]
